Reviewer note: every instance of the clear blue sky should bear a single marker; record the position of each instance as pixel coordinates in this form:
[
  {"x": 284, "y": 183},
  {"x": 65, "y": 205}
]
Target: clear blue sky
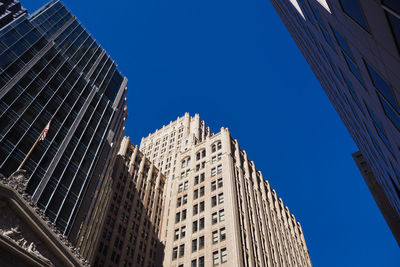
[{"x": 234, "y": 63}]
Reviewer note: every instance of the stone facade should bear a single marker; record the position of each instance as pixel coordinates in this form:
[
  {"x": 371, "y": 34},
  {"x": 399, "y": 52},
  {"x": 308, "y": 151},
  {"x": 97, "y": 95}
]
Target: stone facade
[
  {"x": 131, "y": 232},
  {"x": 218, "y": 208}
]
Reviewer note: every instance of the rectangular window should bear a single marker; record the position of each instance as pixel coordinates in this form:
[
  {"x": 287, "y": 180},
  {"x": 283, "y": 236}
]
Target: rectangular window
[
  {"x": 213, "y": 159},
  {"x": 202, "y": 191},
  {"x": 184, "y": 214},
  {"x": 219, "y": 169},
  {"x": 215, "y": 258},
  {"x": 202, "y": 206},
  {"x": 221, "y": 215},
  {"x": 194, "y": 227},
  {"x": 177, "y": 217},
  {"x": 213, "y": 185},
  {"x": 201, "y": 224},
  {"x": 214, "y": 218},
  {"x": 222, "y": 234},
  {"x": 213, "y": 171},
  {"x": 180, "y": 188},
  {"x": 213, "y": 201},
  {"x": 179, "y": 202},
  {"x": 202, "y": 177},
  {"x": 215, "y": 237},
  {"x": 224, "y": 257},
  {"x": 197, "y": 167},
  {"x": 176, "y": 234},
  {"x": 201, "y": 261},
  {"x": 194, "y": 245},
  {"x": 220, "y": 198},
  {"x": 175, "y": 253},
  {"x": 219, "y": 156},
  {"x": 186, "y": 185},
  {"x": 195, "y": 209},
  {"x": 184, "y": 199},
  {"x": 220, "y": 184},
  {"x": 194, "y": 263},
  {"x": 196, "y": 180},
  {"x": 196, "y": 194},
  {"x": 182, "y": 250},
  {"x": 183, "y": 231},
  {"x": 201, "y": 242}
]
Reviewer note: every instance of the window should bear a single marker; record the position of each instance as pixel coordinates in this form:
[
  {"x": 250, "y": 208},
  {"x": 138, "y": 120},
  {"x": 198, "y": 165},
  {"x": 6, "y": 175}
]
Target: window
[
  {"x": 184, "y": 214},
  {"x": 201, "y": 242},
  {"x": 201, "y": 261},
  {"x": 196, "y": 194},
  {"x": 182, "y": 250},
  {"x": 179, "y": 202},
  {"x": 195, "y": 209},
  {"x": 183, "y": 231},
  {"x": 202, "y": 191},
  {"x": 213, "y": 148},
  {"x": 213, "y": 159},
  {"x": 194, "y": 227},
  {"x": 186, "y": 185},
  {"x": 215, "y": 237},
  {"x": 202, "y": 206},
  {"x": 213, "y": 171},
  {"x": 198, "y": 156},
  {"x": 180, "y": 188},
  {"x": 201, "y": 224},
  {"x": 219, "y": 145},
  {"x": 224, "y": 257},
  {"x": 202, "y": 177},
  {"x": 215, "y": 258},
  {"x": 219, "y": 157},
  {"x": 213, "y": 185},
  {"x": 175, "y": 253},
  {"x": 177, "y": 217},
  {"x": 219, "y": 169},
  {"x": 220, "y": 184},
  {"x": 220, "y": 198},
  {"x": 353, "y": 9},
  {"x": 214, "y": 218},
  {"x": 196, "y": 180},
  {"x": 197, "y": 167},
  {"x": 213, "y": 201},
  {"x": 194, "y": 245},
  {"x": 176, "y": 234},
  {"x": 184, "y": 199},
  {"x": 203, "y": 153},
  {"x": 222, "y": 234},
  {"x": 194, "y": 263},
  {"x": 221, "y": 215}
]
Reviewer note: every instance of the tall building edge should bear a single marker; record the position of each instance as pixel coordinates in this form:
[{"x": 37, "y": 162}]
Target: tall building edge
[
  {"x": 52, "y": 72},
  {"x": 379, "y": 195},
  {"x": 353, "y": 48}
]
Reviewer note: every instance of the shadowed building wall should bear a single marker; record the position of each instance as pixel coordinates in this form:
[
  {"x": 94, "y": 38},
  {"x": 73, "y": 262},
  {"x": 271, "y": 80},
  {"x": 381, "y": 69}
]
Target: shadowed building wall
[{"x": 353, "y": 48}]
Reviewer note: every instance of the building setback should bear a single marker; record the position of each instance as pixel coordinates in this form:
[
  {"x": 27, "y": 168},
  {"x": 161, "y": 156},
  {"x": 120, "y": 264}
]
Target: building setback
[
  {"x": 130, "y": 235},
  {"x": 10, "y": 10},
  {"x": 52, "y": 69},
  {"x": 353, "y": 48},
  {"x": 218, "y": 208}
]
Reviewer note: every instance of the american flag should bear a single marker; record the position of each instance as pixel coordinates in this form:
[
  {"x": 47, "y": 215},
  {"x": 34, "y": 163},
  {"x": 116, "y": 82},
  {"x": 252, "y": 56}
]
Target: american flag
[{"x": 45, "y": 130}]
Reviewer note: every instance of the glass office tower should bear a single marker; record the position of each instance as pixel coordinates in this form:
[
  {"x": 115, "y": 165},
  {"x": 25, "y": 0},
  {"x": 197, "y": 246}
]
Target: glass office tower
[
  {"x": 51, "y": 69},
  {"x": 353, "y": 48}
]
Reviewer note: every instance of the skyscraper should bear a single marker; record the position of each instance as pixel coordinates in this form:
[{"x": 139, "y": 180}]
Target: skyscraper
[
  {"x": 10, "y": 10},
  {"x": 353, "y": 47},
  {"x": 52, "y": 71},
  {"x": 130, "y": 235},
  {"x": 218, "y": 208}
]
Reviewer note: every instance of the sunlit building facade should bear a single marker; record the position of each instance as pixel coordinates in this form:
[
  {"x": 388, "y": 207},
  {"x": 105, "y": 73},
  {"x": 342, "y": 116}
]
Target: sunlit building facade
[
  {"x": 52, "y": 70},
  {"x": 353, "y": 48},
  {"x": 219, "y": 210}
]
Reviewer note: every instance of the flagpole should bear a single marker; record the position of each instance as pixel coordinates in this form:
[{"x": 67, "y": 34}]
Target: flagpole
[{"x": 33, "y": 147}]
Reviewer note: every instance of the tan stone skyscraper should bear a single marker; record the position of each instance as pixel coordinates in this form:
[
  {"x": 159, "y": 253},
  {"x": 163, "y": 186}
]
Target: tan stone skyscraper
[{"x": 218, "y": 208}]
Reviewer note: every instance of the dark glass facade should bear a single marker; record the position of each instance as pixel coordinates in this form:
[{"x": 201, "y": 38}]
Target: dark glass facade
[
  {"x": 10, "y": 10},
  {"x": 359, "y": 71},
  {"x": 52, "y": 69}
]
